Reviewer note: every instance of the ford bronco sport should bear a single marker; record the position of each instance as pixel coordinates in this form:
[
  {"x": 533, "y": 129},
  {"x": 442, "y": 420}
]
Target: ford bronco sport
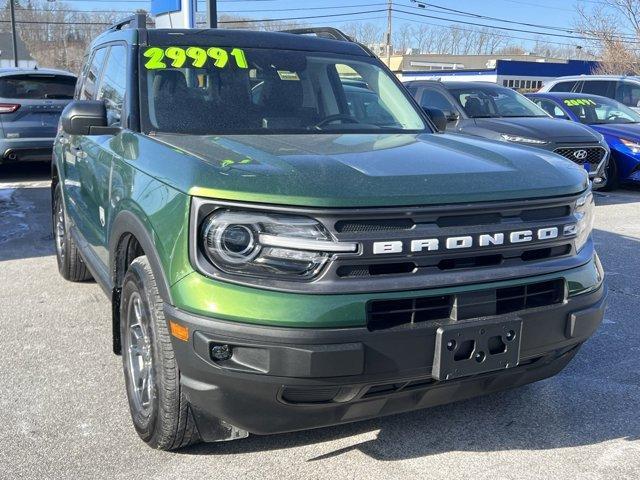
[{"x": 277, "y": 261}]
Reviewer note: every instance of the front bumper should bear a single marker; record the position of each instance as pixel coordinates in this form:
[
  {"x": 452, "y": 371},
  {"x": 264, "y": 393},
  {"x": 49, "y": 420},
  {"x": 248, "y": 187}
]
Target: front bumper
[
  {"x": 26, "y": 150},
  {"x": 287, "y": 379}
]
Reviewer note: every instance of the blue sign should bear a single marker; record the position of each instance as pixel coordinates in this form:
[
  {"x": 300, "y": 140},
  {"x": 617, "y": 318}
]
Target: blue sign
[{"x": 158, "y": 7}]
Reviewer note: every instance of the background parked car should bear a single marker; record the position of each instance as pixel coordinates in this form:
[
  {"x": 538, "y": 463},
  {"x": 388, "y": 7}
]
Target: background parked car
[
  {"x": 619, "y": 125},
  {"x": 625, "y": 90},
  {"x": 31, "y": 102},
  {"x": 500, "y": 113}
]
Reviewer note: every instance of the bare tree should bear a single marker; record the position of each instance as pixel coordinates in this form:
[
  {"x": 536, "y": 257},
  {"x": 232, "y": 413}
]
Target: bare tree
[
  {"x": 613, "y": 31},
  {"x": 402, "y": 38},
  {"x": 366, "y": 33},
  {"x": 56, "y": 35}
]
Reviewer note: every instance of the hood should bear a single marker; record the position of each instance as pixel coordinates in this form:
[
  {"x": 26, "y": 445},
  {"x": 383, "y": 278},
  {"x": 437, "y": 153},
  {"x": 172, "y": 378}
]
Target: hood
[
  {"x": 627, "y": 130},
  {"x": 351, "y": 170},
  {"x": 550, "y": 129}
]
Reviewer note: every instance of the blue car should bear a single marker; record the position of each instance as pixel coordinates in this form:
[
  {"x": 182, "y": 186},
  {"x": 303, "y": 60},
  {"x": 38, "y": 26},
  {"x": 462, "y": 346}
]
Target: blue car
[{"x": 619, "y": 125}]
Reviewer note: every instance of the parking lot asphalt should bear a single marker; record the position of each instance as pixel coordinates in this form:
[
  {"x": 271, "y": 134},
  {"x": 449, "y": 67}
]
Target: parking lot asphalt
[{"x": 65, "y": 413}]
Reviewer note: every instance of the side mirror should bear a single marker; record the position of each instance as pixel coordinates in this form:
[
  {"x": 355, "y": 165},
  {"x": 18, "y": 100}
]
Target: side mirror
[
  {"x": 452, "y": 116},
  {"x": 82, "y": 117},
  {"x": 437, "y": 117}
]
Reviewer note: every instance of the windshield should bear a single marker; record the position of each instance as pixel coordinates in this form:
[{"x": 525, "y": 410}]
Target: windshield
[
  {"x": 491, "y": 101},
  {"x": 598, "y": 111},
  {"x": 211, "y": 90},
  {"x": 37, "y": 87}
]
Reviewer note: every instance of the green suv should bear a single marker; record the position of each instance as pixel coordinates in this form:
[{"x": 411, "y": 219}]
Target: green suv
[{"x": 288, "y": 242}]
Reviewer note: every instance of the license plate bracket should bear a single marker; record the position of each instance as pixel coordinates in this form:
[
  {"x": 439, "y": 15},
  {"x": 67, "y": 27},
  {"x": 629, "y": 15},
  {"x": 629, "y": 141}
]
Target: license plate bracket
[{"x": 472, "y": 348}]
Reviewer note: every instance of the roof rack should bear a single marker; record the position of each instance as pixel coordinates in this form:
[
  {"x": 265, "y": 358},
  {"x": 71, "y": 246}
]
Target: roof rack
[
  {"x": 138, "y": 20},
  {"x": 324, "y": 32}
]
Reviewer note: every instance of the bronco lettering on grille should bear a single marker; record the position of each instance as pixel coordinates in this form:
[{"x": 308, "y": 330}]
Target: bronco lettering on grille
[{"x": 469, "y": 241}]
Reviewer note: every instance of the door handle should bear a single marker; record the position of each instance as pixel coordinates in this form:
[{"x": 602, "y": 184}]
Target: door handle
[{"x": 78, "y": 152}]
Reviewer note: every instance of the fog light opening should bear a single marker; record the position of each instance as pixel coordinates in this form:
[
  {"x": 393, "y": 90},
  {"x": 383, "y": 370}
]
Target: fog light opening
[{"x": 220, "y": 353}]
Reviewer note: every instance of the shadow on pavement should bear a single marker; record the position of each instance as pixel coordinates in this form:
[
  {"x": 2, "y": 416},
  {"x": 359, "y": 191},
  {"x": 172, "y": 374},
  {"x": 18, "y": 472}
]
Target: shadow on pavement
[
  {"x": 622, "y": 195},
  {"x": 25, "y": 172}
]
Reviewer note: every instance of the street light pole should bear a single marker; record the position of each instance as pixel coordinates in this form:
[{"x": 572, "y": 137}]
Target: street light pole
[
  {"x": 389, "y": 18},
  {"x": 14, "y": 37},
  {"x": 212, "y": 14}
]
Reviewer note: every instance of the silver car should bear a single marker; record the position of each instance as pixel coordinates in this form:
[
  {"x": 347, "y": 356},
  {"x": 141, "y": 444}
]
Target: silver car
[{"x": 31, "y": 102}]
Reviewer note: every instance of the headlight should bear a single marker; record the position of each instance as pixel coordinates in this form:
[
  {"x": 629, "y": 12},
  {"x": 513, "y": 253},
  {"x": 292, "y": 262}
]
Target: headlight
[
  {"x": 519, "y": 139},
  {"x": 268, "y": 245},
  {"x": 631, "y": 145},
  {"x": 585, "y": 214}
]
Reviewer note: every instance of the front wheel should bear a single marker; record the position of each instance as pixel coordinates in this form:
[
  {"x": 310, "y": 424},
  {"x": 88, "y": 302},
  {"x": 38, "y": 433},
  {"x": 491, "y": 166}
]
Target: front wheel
[
  {"x": 612, "y": 176},
  {"x": 159, "y": 409}
]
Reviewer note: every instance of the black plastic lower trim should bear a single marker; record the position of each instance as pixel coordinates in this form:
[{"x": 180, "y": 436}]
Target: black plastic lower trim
[{"x": 285, "y": 379}]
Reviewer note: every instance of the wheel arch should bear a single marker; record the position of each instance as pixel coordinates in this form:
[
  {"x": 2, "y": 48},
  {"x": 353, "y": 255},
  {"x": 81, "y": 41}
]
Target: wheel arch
[{"x": 129, "y": 239}]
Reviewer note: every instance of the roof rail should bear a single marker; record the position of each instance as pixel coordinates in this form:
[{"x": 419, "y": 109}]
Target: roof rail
[
  {"x": 138, "y": 20},
  {"x": 324, "y": 32}
]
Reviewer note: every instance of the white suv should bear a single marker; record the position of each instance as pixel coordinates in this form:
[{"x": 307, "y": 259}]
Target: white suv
[{"x": 621, "y": 88}]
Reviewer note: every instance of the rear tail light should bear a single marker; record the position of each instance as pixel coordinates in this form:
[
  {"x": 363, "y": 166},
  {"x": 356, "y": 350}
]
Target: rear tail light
[{"x": 8, "y": 107}]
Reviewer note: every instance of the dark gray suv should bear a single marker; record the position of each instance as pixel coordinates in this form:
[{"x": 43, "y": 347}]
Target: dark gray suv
[
  {"x": 31, "y": 102},
  {"x": 499, "y": 113}
]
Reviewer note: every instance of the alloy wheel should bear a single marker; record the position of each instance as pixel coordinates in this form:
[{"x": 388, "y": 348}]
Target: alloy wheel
[{"x": 139, "y": 357}]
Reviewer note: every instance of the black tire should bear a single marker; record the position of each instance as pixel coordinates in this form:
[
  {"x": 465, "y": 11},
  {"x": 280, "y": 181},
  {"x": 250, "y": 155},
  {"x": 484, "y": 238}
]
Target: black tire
[
  {"x": 164, "y": 421},
  {"x": 70, "y": 263},
  {"x": 613, "y": 181}
]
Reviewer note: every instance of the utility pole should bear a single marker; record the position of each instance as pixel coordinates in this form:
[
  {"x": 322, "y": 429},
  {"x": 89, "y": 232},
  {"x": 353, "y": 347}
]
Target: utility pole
[
  {"x": 389, "y": 18},
  {"x": 14, "y": 37},
  {"x": 212, "y": 14}
]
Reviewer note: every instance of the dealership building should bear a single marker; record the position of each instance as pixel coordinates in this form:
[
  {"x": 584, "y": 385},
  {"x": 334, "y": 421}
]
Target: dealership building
[{"x": 521, "y": 72}]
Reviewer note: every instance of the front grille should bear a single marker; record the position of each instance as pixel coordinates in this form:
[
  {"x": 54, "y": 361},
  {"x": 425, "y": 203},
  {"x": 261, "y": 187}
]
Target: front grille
[
  {"x": 583, "y": 155},
  {"x": 385, "y": 314},
  {"x": 453, "y": 263},
  {"x": 373, "y": 268}
]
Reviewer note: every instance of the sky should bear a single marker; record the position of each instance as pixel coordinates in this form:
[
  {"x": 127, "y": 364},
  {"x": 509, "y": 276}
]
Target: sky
[{"x": 554, "y": 13}]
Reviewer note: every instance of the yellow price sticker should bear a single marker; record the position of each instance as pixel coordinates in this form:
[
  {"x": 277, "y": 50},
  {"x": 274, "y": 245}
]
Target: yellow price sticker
[
  {"x": 198, "y": 57},
  {"x": 578, "y": 102}
]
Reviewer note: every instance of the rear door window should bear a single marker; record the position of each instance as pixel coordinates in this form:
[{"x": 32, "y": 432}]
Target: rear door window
[
  {"x": 37, "y": 86},
  {"x": 93, "y": 75},
  {"x": 603, "y": 88},
  {"x": 628, "y": 93},
  {"x": 563, "y": 87},
  {"x": 433, "y": 99}
]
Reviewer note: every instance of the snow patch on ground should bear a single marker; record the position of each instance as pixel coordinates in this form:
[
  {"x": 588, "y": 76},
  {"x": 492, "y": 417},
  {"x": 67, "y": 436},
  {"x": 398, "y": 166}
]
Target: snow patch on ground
[
  {"x": 12, "y": 208},
  {"x": 6, "y": 194}
]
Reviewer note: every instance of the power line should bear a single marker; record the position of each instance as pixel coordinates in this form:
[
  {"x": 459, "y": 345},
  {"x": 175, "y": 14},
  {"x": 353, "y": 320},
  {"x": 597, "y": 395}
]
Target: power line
[
  {"x": 379, "y": 4},
  {"x": 44, "y": 10},
  {"x": 539, "y": 5},
  {"x": 452, "y": 11},
  {"x": 497, "y": 34},
  {"x": 308, "y": 17},
  {"x": 330, "y": 21},
  {"x": 510, "y": 29},
  {"x": 113, "y": 1}
]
